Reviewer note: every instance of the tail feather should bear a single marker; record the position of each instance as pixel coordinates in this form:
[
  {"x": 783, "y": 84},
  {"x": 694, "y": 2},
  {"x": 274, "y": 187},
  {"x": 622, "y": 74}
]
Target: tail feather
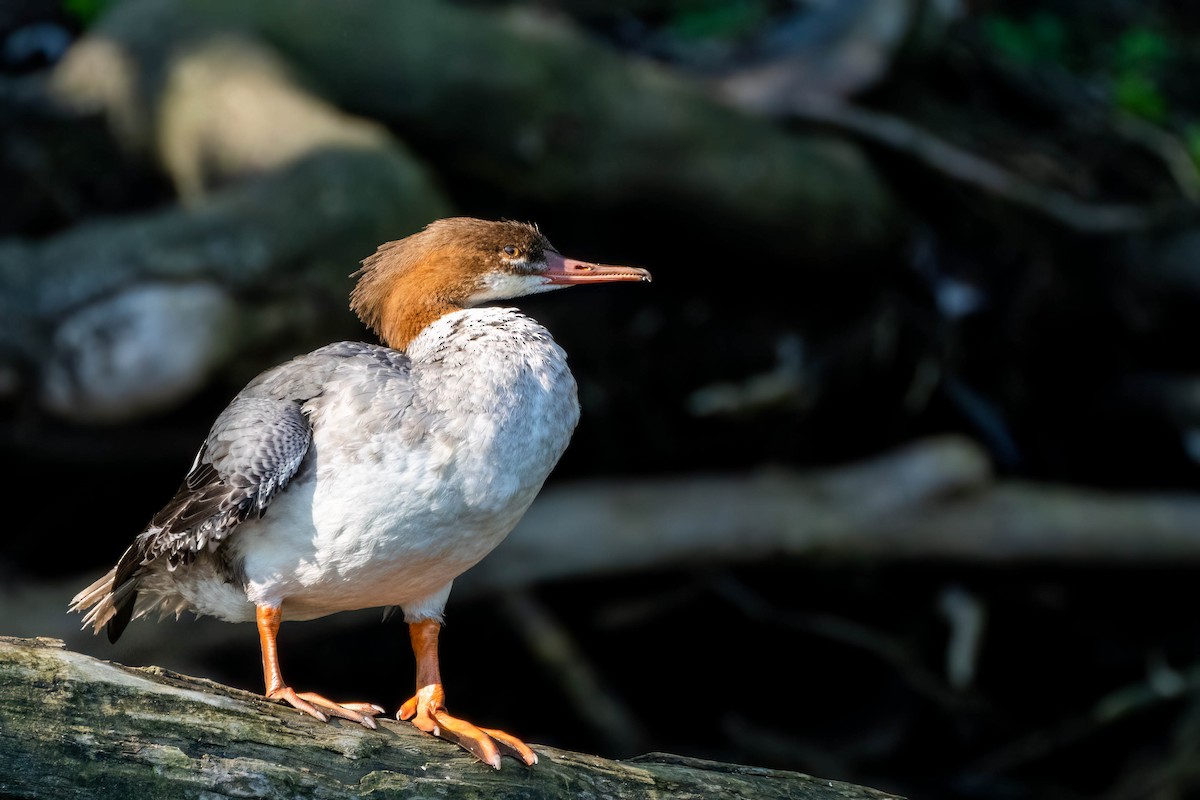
[
  {"x": 123, "y": 613},
  {"x": 99, "y": 598},
  {"x": 112, "y": 598}
]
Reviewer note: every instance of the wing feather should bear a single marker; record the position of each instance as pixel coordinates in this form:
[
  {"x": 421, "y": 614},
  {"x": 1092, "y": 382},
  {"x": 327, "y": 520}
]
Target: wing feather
[{"x": 252, "y": 452}]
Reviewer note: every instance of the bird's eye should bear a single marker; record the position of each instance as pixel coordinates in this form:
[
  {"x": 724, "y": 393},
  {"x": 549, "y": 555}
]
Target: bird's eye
[{"x": 512, "y": 251}]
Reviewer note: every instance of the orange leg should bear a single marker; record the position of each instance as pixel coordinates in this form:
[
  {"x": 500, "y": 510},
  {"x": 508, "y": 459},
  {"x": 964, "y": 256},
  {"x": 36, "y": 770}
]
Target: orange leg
[
  {"x": 427, "y": 708},
  {"x": 268, "y": 631}
]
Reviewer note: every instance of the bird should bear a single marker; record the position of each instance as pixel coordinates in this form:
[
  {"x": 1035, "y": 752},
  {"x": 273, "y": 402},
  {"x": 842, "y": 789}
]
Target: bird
[{"x": 365, "y": 475}]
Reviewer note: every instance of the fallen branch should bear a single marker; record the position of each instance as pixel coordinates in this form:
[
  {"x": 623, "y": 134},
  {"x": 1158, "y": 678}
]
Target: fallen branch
[
  {"x": 119, "y": 318},
  {"x": 935, "y": 499},
  {"x": 72, "y": 726}
]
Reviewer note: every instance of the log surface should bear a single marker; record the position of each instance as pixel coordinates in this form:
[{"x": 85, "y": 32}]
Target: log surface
[{"x": 72, "y": 726}]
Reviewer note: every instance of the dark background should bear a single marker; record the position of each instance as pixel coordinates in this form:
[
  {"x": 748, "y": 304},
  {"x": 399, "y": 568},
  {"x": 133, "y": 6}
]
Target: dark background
[{"x": 1067, "y": 354}]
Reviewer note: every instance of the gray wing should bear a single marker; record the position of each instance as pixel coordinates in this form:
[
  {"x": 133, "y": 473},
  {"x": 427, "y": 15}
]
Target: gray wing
[{"x": 255, "y": 447}]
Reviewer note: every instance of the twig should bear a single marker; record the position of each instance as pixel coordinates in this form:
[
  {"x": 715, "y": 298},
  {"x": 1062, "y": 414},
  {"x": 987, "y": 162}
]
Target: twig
[
  {"x": 968, "y": 168},
  {"x": 850, "y": 633},
  {"x": 554, "y": 645},
  {"x": 1167, "y": 148},
  {"x": 1108, "y": 710}
]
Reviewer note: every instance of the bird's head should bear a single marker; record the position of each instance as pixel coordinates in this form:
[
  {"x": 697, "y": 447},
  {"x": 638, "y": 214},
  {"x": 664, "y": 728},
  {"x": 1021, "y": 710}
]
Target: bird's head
[{"x": 462, "y": 262}]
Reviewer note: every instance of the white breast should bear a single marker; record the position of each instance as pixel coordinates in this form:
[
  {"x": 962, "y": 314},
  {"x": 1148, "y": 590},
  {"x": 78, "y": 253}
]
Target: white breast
[{"x": 411, "y": 484}]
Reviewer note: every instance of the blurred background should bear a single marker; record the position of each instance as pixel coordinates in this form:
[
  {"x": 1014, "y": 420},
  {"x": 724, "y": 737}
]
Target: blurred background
[{"x": 889, "y": 477}]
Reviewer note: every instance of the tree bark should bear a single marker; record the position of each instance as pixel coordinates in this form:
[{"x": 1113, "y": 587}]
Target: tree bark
[{"x": 72, "y": 726}]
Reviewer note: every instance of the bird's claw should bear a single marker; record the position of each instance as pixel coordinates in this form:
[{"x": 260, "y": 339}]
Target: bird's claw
[
  {"x": 486, "y": 744},
  {"x": 511, "y": 746},
  {"x": 322, "y": 708}
]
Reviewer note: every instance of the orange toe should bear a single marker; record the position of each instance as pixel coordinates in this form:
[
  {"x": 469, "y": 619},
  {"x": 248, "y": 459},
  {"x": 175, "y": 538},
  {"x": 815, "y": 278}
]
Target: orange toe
[
  {"x": 487, "y": 744},
  {"x": 322, "y": 708},
  {"x": 512, "y": 746}
]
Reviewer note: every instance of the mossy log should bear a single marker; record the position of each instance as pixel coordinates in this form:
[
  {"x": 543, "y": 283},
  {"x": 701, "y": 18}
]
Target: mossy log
[{"x": 72, "y": 726}]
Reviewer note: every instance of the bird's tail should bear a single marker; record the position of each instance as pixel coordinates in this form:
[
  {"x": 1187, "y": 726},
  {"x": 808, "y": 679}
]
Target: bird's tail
[
  {"x": 112, "y": 599},
  {"x": 99, "y": 598}
]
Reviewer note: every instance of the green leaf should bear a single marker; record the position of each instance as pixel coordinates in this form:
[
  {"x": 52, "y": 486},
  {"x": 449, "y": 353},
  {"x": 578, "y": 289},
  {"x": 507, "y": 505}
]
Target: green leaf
[
  {"x": 1137, "y": 94},
  {"x": 708, "y": 19},
  {"x": 1141, "y": 50},
  {"x": 86, "y": 11},
  {"x": 1041, "y": 38},
  {"x": 1191, "y": 140}
]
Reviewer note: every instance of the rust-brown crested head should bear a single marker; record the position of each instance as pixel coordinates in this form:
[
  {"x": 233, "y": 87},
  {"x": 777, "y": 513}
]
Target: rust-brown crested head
[{"x": 460, "y": 262}]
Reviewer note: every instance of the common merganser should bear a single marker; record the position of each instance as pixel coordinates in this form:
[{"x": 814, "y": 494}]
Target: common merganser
[{"x": 361, "y": 475}]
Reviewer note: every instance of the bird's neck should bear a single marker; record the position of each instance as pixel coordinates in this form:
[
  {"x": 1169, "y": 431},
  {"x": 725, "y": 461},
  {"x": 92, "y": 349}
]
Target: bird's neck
[
  {"x": 400, "y": 302},
  {"x": 403, "y": 320},
  {"x": 488, "y": 334}
]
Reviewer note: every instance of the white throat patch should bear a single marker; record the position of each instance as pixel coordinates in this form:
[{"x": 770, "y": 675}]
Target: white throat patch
[{"x": 504, "y": 286}]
